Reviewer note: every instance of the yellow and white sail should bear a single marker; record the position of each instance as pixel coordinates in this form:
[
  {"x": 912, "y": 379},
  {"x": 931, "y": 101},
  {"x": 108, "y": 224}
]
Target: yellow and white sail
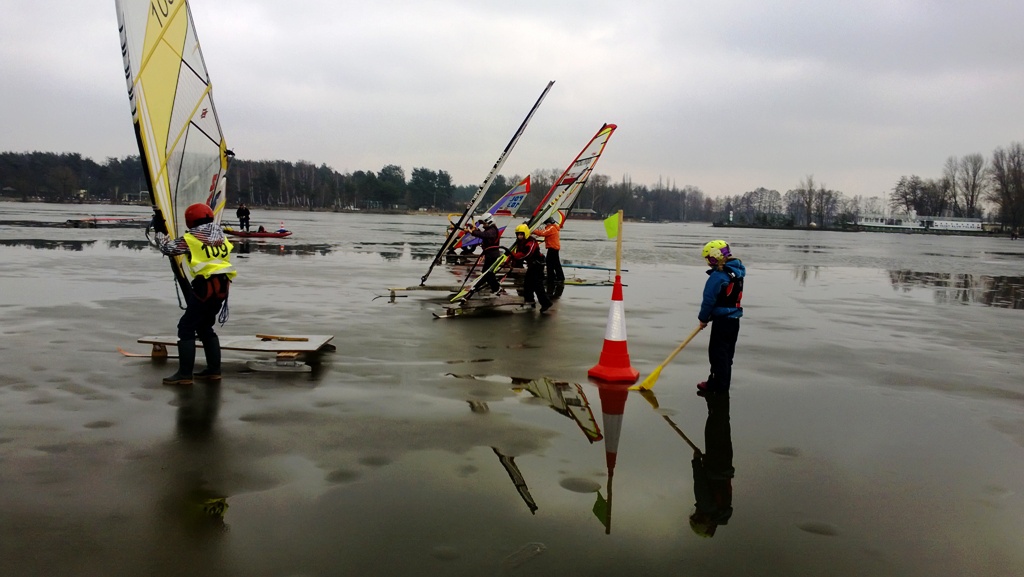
[{"x": 179, "y": 135}]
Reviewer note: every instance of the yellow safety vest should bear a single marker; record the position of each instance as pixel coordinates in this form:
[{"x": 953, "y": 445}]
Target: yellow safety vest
[{"x": 206, "y": 260}]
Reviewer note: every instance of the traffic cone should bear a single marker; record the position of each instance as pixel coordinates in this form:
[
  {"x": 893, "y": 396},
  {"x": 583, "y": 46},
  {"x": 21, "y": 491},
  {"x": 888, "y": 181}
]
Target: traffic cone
[{"x": 614, "y": 366}]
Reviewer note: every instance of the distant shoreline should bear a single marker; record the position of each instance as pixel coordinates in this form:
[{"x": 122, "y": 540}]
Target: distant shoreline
[{"x": 861, "y": 228}]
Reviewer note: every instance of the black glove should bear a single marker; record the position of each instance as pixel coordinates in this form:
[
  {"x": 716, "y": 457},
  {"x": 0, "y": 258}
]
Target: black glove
[{"x": 158, "y": 223}]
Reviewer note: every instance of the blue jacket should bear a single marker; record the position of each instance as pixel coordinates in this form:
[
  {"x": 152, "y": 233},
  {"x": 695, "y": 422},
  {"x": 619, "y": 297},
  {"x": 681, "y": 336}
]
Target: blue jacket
[{"x": 721, "y": 302}]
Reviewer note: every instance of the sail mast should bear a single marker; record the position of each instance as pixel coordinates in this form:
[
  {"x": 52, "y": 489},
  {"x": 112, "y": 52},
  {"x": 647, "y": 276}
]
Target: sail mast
[{"x": 479, "y": 195}]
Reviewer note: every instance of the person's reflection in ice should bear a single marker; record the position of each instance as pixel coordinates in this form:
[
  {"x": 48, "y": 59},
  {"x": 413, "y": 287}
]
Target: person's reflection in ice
[
  {"x": 713, "y": 470},
  {"x": 198, "y": 407},
  {"x": 197, "y": 410},
  {"x": 555, "y": 289}
]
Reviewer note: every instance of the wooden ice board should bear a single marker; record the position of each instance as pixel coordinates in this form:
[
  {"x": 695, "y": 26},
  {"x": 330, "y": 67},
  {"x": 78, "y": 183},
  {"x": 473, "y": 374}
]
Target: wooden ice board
[{"x": 311, "y": 344}]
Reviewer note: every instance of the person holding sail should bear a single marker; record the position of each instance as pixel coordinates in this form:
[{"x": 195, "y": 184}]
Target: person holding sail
[
  {"x": 490, "y": 241},
  {"x": 527, "y": 250},
  {"x": 553, "y": 244},
  {"x": 208, "y": 254}
]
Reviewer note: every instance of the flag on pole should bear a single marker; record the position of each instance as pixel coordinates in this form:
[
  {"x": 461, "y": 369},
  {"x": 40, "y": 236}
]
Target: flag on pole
[{"x": 611, "y": 225}]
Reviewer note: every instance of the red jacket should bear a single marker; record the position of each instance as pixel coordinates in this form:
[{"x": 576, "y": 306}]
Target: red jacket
[{"x": 527, "y": 251}]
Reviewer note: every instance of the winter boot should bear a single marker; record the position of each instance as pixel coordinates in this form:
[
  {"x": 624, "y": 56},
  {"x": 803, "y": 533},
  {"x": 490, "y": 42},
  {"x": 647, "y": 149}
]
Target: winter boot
[
  {"x": 211, "y": 346},
  {"x": 186, "y": 362}
]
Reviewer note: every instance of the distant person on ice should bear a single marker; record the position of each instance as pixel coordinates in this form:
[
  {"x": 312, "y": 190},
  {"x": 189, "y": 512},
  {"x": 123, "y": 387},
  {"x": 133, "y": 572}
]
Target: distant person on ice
[
  {"x": 243, "y": 217},
  {"x": 490, "y": 239},
  {"x": 527, "y": 250},
  {"x": 208, "y": 257},
  {"x": 553, "y": 244},
  {"x": 722, "y": 308}
]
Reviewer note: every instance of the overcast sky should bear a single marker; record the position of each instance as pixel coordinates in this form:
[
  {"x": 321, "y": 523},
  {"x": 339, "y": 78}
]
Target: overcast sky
[{"x": 724, "y": 95}]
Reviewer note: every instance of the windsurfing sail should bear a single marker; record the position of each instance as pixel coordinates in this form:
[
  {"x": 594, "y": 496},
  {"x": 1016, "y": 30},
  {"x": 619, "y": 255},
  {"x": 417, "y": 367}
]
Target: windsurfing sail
[
  {"x": 479, "y": 195},
  {"x": 503, "y": 211},
  {"x": 568, "y": 185},
  {"x": 568, "y": 400},
  {"x": 179, "y": 135}
]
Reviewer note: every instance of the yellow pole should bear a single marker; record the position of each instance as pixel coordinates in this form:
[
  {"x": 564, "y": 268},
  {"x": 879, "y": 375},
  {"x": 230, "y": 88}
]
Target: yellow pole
[{"x": 618, "y": 247}]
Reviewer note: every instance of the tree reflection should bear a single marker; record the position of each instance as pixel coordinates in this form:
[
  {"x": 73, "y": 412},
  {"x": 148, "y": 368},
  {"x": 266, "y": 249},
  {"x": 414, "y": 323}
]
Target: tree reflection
[{"x": 956, "y": 288}]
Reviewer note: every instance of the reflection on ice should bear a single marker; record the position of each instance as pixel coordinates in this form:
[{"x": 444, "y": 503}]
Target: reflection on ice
[
  {"x": 951, "y": 288},
  {"x": 75, "y": 245}
]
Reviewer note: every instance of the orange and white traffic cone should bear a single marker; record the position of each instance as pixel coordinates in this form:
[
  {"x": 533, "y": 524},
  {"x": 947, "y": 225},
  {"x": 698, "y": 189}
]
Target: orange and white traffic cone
[{"x": 613, "y": 365}]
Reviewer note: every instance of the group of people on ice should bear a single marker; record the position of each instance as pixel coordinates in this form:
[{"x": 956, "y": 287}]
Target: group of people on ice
[{"x": 526, "y": 250}]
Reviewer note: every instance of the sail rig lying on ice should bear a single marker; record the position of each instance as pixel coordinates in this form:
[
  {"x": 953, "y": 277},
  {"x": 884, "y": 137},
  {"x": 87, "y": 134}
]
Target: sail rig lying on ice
[
  {"x": 565, "y": 189},
  {"x": 178, "y": 132}
]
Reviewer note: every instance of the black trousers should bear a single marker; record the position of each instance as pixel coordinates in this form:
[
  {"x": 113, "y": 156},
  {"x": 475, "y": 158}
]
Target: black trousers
[
  {"x": 533, "y": 284},
  {"x": 721, "y": 350},
  {"x": 555, "y": 273},
  {"x": 491, "y": 255},
  {"x": 201, "y": 308}
]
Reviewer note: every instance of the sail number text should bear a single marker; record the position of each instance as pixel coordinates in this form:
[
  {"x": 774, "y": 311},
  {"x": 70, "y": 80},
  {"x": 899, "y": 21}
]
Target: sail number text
[
  {"x": 161, "y": 9},
  {"x": 219, "y": 251}
]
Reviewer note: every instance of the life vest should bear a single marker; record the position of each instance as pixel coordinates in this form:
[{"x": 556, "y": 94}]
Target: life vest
[
  {"x": 206, "y": 260},
  {"x": 732, "y": 295}
]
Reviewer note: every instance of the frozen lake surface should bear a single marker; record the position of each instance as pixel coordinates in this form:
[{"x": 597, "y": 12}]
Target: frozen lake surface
[{"x": 877, "y": 410}]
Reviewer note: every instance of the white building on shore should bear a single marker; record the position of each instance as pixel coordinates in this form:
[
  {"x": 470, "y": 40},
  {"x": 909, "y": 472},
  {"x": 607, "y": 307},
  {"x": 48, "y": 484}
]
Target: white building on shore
[{"x": 912, "y": 222}]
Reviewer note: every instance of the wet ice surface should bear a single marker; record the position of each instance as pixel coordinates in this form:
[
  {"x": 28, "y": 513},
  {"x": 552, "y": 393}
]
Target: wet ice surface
[{"x": 877, "y": 410}]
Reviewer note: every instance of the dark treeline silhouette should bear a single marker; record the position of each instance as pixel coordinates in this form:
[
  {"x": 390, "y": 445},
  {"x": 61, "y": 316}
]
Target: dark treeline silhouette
[
  {"x": 965, "y": 184},
  {"x": 69, "y": 177}
]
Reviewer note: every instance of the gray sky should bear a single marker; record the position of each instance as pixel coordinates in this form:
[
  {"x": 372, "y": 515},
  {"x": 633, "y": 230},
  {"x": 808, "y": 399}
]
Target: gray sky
[{"x": 725, "y": 95}]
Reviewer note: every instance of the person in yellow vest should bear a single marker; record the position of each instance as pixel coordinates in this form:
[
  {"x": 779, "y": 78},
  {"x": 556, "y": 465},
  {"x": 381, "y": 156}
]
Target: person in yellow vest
[
  {"x": 208, "y": 254},
  {"x": 553, "y": 244}
]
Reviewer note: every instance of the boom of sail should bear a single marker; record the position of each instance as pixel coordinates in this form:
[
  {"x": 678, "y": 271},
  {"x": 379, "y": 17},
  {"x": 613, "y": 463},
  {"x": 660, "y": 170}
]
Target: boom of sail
[{"x": 176, "y": 125}]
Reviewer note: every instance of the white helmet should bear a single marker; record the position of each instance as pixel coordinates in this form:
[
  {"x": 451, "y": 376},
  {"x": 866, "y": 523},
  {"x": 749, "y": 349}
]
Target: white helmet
[{"x": 486, "y": 218}]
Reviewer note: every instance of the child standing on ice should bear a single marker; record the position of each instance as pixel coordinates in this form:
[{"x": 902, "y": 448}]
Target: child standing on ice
[
  {"x": 722, "y": 308},
  {"x": 208, "y": 257}
]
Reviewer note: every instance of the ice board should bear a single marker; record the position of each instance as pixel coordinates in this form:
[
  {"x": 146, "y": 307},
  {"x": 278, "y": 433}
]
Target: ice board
[
  {"x": 259, "y": 342},
  {"x": 287, "y": 348}
]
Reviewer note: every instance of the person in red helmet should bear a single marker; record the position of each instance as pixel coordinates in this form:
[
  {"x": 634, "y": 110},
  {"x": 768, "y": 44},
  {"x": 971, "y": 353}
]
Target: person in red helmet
[{"x": 208, "y": 258}]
